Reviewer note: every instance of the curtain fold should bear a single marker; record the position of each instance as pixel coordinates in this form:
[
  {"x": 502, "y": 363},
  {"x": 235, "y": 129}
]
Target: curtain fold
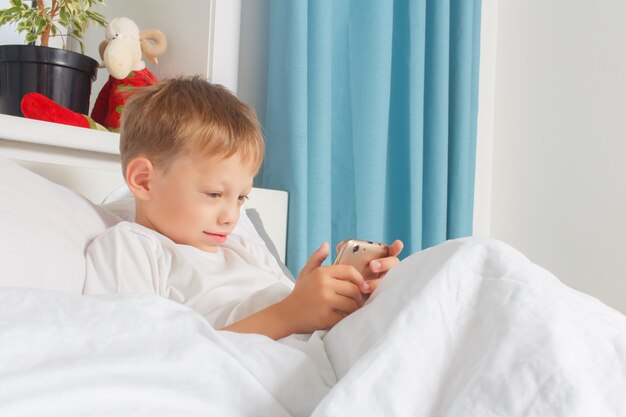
[{"x": 371, "y": 120}]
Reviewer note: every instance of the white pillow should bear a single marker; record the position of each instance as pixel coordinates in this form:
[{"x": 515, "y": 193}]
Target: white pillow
[{"x": 44, "y": 231}]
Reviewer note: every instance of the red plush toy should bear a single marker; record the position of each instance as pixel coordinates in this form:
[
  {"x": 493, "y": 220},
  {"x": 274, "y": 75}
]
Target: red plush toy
[{"x": 121, "y": 54}]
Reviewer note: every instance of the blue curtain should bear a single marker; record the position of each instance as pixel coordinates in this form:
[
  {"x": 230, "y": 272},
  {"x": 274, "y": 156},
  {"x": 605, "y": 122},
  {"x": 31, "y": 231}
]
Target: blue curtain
[{"x": 371, "y": 120}]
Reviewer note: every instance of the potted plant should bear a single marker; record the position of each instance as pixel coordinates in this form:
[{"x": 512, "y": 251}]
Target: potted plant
[{"x": 62, "y": 75}]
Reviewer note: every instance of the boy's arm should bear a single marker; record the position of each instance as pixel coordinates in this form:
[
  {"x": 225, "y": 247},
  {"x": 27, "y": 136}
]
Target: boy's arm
[
  {"x": 322, "y": 296},
  {"x": 273, "y": 322}
]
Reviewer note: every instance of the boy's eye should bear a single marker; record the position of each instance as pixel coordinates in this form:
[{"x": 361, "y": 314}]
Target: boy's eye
[
  {"x": 243, "y": 198},
  {"x": 214, "y": 195}
]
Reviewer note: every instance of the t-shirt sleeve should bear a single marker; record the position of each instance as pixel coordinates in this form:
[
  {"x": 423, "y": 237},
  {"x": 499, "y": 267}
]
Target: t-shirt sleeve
[{"x": 123, "y": 261}]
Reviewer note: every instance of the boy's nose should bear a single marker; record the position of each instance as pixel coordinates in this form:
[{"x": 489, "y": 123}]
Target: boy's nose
[{"x": 229, "y": 214}]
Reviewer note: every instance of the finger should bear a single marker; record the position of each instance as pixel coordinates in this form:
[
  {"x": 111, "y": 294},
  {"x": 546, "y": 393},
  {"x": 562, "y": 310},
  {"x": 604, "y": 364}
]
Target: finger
[
  {"x": 345, "y": 305},
  {"x": 335, "y": 317},
  {"x": 346, "y": 273},
  {"x": 396, "y": 247},
  {"x": 316, "y": 259},
  {"x": 348, "y": 289},
  {"x": 372, "y": 285},
  {"x": 339, "y": 245},
  {"x": 383, "y": 265}
]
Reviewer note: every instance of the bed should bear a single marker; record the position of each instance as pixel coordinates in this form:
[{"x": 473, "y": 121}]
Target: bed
[{"x": 468, "y": 328}]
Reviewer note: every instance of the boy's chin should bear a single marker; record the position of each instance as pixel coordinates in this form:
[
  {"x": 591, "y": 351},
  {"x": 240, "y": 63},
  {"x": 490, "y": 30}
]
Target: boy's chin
[
  {"x": 203, "y": 246},
  {"x": 208, "y": 248}
]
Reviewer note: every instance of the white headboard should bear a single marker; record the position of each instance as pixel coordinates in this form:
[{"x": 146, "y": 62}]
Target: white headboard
[{"x": 87, "y": 161}]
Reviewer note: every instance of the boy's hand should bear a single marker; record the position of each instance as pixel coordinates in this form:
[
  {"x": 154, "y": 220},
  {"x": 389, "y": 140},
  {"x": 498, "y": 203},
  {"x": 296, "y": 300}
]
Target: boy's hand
[
  {"x": 323, "y": 295},
  {"x": 383, "y": 265}
]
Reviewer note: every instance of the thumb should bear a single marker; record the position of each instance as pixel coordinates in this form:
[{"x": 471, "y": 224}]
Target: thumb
[{"x": 315, "y": 260}]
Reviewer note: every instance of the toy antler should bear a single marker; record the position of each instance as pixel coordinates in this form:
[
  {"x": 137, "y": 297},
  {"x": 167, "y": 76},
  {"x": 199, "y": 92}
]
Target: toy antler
[{"x": 158, "y": 47}]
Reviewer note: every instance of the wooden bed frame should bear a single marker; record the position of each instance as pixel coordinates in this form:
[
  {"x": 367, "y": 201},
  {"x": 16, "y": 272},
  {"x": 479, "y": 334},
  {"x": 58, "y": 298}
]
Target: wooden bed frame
[{"x": 87, "y": 161}]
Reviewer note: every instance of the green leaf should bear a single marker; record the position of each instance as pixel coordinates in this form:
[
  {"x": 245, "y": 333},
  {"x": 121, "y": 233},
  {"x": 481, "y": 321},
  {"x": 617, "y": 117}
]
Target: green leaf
[
  {"x": 8, "y": 16},
  {"x": 75, "y": 14},
  {"x": 96, "y": 17},
  {"x": 10, "y": 11}
]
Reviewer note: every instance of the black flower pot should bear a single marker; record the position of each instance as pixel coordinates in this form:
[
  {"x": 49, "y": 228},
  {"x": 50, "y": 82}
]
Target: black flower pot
[{"x": 63, "y": 76}]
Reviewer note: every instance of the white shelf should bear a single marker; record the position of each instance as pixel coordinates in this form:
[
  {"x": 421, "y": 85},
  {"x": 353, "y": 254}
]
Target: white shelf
[
  {"x": 37, "y": 141},
  {"x": 58, "y": 135},
  {"x": 85, "y": 160}
]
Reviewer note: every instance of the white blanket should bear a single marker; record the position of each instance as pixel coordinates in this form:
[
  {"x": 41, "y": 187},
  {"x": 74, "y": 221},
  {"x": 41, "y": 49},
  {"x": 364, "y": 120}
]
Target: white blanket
[{"x": 468, "y": 328}]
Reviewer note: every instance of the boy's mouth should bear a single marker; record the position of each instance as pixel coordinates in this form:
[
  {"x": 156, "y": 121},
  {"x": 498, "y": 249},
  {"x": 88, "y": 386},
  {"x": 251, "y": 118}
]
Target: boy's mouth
[{"x": 218, "y": 237}]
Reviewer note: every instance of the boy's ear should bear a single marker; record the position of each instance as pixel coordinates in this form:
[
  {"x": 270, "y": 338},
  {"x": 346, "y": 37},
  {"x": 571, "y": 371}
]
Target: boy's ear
[{"x": 139, "y": 174}]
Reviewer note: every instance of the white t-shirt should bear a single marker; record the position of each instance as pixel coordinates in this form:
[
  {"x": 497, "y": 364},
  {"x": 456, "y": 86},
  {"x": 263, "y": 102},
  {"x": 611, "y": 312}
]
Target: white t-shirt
[{"x": 238, "y": 280}]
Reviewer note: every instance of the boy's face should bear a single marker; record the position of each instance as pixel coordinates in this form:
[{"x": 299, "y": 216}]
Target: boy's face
[{"x": 196, "y": 201}]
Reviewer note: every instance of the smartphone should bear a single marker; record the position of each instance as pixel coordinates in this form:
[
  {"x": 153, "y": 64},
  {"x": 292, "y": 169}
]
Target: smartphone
[{"x": 359, "y": 253}]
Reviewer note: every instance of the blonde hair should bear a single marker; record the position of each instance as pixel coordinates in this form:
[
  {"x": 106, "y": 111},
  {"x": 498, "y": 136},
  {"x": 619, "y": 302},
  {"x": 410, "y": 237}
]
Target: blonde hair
[{"x": 188, "y": 115}]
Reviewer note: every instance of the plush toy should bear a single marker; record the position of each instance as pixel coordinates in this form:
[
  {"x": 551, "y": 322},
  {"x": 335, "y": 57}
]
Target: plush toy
[{"x": 121, "y": 54}]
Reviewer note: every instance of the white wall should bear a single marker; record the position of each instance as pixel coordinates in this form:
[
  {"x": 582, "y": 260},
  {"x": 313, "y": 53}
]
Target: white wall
[
  {"x": 8, "y": 34},
  {"x": 253, "y": 54},
  {"x": 557, "y": 138}
]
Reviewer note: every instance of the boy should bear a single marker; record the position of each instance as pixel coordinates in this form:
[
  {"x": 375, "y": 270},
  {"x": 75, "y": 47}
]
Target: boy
[{"x": 189, "y": 152}]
